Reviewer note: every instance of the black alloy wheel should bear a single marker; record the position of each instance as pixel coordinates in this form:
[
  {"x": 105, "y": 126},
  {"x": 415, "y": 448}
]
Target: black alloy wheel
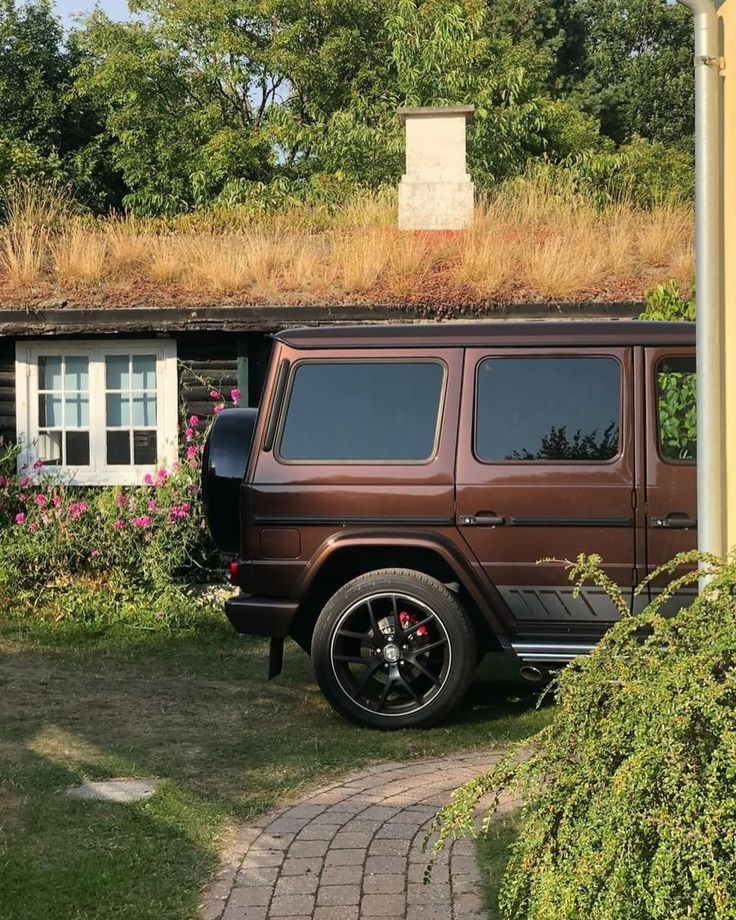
[{"x": 394, "y": 649}]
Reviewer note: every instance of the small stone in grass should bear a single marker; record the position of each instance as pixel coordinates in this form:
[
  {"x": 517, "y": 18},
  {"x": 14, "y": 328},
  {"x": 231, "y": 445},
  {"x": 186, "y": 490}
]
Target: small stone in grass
[{"x": 116, "y": 790}]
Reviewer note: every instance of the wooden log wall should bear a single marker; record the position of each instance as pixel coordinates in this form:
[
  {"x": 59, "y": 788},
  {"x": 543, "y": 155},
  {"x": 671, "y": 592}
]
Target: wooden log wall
[{"x": 7, "y": 389}]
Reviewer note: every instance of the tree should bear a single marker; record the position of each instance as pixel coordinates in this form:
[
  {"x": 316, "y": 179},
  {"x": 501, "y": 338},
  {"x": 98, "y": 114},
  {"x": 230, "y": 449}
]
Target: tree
[
  {"x": 639, "y": 57},
  {"x": 458, "y": 52},
  {"x": 201, "y": 96},
  {"x": 203, "y": 100},
  {"x": 46, "y": 132}
]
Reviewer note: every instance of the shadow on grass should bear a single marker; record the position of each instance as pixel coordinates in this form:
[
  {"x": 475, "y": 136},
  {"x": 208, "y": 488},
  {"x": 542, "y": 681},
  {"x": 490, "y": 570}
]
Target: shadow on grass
[{"x": 195, "y": 710}]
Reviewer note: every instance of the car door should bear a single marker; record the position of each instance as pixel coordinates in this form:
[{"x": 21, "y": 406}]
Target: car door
[
  {"x": 546, "y": 469},
  {"x": 671, "y": 487}
]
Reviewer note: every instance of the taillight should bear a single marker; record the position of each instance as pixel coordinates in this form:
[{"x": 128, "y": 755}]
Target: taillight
[{"x": 234, "y": 573}]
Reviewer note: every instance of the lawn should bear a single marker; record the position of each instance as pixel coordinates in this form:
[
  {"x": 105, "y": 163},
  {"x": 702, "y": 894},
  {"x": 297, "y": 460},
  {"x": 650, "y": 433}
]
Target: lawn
[
  {"x": 194, "y": 709},
  {"x": 493, "y": 855}
]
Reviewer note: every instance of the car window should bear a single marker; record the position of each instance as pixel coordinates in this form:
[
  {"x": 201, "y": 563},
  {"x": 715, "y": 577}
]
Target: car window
[
  {"x": 548, "y": 409},
  {"x": 676, "y": 408},
  {"x": 363, "y": 411}
]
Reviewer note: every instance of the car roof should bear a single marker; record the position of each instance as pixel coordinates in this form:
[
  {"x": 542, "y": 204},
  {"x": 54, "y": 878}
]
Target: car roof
[{"x": 463, "y": 334}]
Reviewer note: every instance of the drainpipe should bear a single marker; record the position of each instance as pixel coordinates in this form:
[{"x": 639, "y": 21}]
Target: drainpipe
[{"x": 708, "y": 278}]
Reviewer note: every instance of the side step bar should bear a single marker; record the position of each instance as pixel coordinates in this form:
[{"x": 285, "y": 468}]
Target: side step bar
[{"x": 551, "y": 651}]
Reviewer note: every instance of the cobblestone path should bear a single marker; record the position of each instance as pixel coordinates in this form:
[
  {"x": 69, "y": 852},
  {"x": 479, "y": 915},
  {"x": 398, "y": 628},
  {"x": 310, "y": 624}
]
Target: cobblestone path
[{"x": 353, "y": 851}]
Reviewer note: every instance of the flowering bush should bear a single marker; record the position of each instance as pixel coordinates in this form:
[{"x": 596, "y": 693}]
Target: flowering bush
[{"x": 60, "y": 541}]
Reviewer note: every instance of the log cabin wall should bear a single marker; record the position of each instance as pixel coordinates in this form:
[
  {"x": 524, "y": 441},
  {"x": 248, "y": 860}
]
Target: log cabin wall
[{"x": 7, "y": 389}]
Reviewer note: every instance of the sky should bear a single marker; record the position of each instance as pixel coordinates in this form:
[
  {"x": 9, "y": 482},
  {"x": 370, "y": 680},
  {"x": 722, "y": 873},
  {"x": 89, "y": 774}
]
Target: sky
[{"x": 68, "y": 9}]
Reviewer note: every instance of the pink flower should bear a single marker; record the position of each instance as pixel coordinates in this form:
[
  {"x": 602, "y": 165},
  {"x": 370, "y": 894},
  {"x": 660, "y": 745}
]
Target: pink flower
[
  {"x": 38, "y": 465},
  {"x": 191, "y": 452},
  {"x": 148, "y": 479},
  {"x": 189, "y": 434},
  {"x": 118, "y": 524},
  {"x": 33, "y": 527},
  {"x": 162, "y": 475},
  {"x": 235, "y": 395},
  {"x": 120, "y": 500},
  {"x": 83, "y": 506},
  {"x": 215, "y": 394},
  {"x": 40, "y": 499},
  {"x": 20, "y": 518},
  {"x": 218, "y": 409},
  {"x": 22, "y": 496},
  {"x": 56, "y": 500},
  {"x": 95, "y": 553},
  {"x": 152, "y": 505},
  {"x": 144, "y": 521},
  {"x": 25, "y": 481},
  {"x": 193, "y": 421}
]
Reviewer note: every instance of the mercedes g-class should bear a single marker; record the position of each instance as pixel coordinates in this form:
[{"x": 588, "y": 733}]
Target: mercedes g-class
[{"x": 389, "y": 503}]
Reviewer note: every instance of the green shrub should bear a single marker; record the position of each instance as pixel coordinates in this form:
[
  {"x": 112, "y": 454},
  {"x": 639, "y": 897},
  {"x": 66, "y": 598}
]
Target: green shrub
[
  {"x": 629, "y": 801},
  {"x": 666, "y": 303},
  {"x": 105, "y": 554}
]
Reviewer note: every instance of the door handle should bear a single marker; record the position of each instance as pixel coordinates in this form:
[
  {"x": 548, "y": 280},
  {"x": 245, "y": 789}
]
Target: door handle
[
  {"x": 481, "y": 519},
  {"x": 678, "y": 520}
]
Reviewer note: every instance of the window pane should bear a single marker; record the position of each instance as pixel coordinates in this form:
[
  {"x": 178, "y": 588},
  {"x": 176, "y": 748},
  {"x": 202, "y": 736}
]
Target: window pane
[
  {"x": 144, "y": 372},
  {"x": 559, "y": 409},
  {"x": 118, "y": 448},
  {"x": 49, "y": 448},
  {"x": 49, "y": 372},
  {"x": 370, "y": 411},
  {"x": 76, "y": 412},
  {"x": 144, "y": 447},
  {"x": 678, "y": 439},
  {"x": 77, "y": 448},
  {"x": 117, "y": 375},
  {"x": 118, "y": 410},
  {"x": 49, "y": 411},
  {"x": 76, "y": 375},
  {"x": 144, "y": 411}
]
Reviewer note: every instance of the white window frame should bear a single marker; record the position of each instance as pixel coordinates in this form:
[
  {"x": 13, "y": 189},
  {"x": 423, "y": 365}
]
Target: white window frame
[{"x": 98, "y": 473}]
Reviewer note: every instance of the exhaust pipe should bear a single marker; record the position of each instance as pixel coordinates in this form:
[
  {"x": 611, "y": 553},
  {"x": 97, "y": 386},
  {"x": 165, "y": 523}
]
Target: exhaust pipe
[{"x": 530, "y": 673}]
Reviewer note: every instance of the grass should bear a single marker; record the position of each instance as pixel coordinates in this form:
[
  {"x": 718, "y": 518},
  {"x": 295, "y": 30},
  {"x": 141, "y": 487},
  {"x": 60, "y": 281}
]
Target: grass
[
  {"x": 529, "y": 241},
  {"x": 194, "y": 709},
  {"x": 493, "y": 855}
]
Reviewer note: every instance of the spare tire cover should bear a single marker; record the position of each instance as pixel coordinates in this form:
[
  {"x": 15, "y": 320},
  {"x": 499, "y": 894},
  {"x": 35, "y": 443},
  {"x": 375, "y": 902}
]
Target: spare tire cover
[{"x": 224, "y": 461}]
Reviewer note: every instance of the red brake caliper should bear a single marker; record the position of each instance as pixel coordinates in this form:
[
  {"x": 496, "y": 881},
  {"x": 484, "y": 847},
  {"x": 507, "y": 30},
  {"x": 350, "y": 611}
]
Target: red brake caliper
[{"x": 408, "y": 619}]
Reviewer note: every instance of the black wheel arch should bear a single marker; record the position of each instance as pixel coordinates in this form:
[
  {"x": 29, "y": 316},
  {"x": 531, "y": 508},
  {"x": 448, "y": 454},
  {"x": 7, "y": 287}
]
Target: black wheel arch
[{"x": 347, "y": 556}]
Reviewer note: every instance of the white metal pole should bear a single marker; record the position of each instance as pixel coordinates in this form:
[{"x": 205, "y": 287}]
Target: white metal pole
[{"x": 708, "y": 279}]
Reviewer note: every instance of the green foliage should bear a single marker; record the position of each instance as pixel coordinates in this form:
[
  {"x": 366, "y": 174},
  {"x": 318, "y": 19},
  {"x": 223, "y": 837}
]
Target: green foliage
[
  {"x": 46, "y": 131},
  {"x": 676, "y": 386},
  {"x": 196, "y": 105},
  {"x": 629, "y": 806},
  {"x": 639, "y": 74},
  {"x": 644, "y": 172},
  {"x": 677, "y": 412},
  {"x": 454, "y": 53},
  {"x": 108, "y": 553},
  {"x": 666, "y": 303}
]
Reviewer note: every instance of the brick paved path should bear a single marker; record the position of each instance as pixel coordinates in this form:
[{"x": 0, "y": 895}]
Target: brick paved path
[{"x": 353, "y": 850}]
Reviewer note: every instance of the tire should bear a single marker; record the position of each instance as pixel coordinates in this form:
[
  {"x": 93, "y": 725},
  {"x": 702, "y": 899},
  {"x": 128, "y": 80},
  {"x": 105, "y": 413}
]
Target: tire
[{"x": 394, "y": 649}]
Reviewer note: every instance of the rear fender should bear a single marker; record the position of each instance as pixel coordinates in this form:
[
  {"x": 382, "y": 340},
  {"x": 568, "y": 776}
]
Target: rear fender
[{"x": 354, "y": 541}]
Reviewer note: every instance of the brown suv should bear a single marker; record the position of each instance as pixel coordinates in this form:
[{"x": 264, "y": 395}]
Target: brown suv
[{"x": 392, "y": 498}]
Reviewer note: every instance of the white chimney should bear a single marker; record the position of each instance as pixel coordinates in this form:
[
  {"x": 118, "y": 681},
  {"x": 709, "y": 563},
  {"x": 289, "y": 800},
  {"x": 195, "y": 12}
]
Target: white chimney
[{"x": 436, "y": 192}]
